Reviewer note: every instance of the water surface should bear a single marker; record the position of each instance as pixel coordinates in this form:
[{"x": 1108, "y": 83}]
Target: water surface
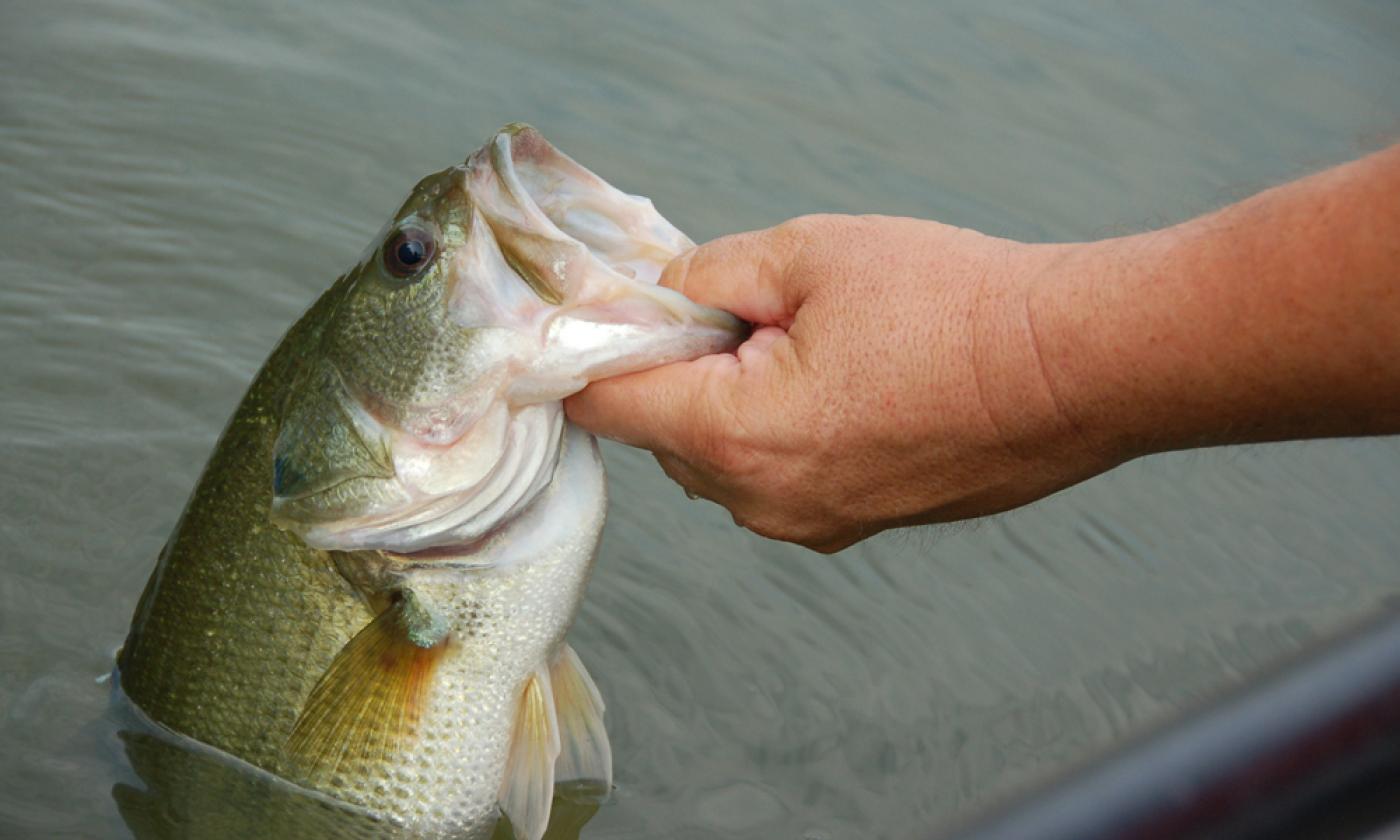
[{"x": 179, "y": 180}]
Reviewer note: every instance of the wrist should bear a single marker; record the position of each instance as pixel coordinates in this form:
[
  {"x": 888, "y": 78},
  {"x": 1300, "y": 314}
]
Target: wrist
[
  {"x": 1116, "y": 370},
  {"x": 1171, "y": 339},
  {"x": 1270, "y": 319},
  {"x": 1037, "y": 371}
]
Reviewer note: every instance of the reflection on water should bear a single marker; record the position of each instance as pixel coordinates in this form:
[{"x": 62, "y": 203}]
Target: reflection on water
[
  {"x": 185, "y": 790},
  {"x": 179, "y": 179},
  {"x": 190, "y": 793}
]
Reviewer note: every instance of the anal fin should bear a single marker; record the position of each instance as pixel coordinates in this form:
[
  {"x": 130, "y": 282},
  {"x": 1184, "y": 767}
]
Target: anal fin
[
  {"x": 585, "y": 756},
  {"x": 371, "y": 697},
  {"x": 528, "y": 788}
]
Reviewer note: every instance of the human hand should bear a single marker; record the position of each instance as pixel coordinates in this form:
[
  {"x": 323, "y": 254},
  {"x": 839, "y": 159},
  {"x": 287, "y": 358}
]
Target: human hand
[
  {"x": 893, "y": 379},
  {"x": 906, "y": 372}
]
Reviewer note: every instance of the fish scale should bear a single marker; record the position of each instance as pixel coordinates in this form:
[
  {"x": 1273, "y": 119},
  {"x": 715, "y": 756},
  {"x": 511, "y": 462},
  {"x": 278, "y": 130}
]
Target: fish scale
[
  {"x": 239, "y": 621},
  {"x": 356, "y": 604},
  {"x": 498, "y": 616}
]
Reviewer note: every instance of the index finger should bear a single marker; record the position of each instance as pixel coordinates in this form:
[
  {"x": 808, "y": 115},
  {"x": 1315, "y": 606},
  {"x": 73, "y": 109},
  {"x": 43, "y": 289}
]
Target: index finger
[{"x": 747, "y": 274}]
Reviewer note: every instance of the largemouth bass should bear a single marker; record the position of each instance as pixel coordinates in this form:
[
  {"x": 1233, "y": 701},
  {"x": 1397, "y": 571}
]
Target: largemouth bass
[{"x": 369, "y": 589}]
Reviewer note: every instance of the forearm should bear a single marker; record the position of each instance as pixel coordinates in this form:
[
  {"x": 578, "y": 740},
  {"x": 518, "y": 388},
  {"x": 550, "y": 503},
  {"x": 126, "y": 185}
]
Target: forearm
[
  {"x": 910, "y": 372},
  {"x": 1278, "y": 317}
]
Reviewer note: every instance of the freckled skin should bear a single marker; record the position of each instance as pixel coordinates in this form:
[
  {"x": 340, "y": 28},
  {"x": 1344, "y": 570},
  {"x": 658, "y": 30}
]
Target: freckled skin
[{"x": 908, "y": 372}]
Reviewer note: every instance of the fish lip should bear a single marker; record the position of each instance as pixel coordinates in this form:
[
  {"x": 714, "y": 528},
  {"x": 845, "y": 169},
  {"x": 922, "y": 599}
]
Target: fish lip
[
  {"x": 519, "y": 178},
  {"x": 605, "y": 251},
  {"x": 447, "y": 555},
  {"x": 659, "y": 306}
]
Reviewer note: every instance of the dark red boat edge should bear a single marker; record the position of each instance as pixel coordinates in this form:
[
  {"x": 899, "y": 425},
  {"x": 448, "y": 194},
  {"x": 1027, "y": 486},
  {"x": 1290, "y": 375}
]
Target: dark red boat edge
[{"x": 1310, "y": 752}]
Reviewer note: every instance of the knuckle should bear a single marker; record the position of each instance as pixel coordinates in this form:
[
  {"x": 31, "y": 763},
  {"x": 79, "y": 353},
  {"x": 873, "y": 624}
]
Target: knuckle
[
  {"x": 801, "y": 228},
  {"x": 758, "y": 523},
  {"x": 792, "y": 237},
  {"x": 707, "y": 449},
  {"x": 719, "y": 442},
  {"x": 796, "y": 235},
  {"x": 671, "y": 467},
  {"x": 727, "y": 455},
  {"x": 783, "y": 525}
]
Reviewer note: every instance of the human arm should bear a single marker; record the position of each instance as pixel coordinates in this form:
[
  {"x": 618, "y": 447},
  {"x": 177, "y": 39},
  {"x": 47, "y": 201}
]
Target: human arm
[
  {"x": 909, "y": 372},
  {"x": 1274, "y": 318}
]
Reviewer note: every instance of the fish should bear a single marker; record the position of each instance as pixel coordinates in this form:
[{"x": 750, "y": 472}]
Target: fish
[{"x": 368, "y": 591}]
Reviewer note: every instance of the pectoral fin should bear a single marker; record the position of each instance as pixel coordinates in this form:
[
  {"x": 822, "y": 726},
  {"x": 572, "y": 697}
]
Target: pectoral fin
[
  {"x": 528, "y": 787},
  {"x": 585, "y": 757},
  {"x": 371, "y": 697}
]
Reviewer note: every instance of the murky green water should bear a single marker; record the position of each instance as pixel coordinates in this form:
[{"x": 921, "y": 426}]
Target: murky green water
[{"x": 178, "y": 180}]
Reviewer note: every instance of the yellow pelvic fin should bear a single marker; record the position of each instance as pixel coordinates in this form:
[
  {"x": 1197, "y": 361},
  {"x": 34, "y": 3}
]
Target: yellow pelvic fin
[
  {"x": 585, "y": 757},
  {"x": 371, "y": 697},
  {"x": 528, "y": 787}
]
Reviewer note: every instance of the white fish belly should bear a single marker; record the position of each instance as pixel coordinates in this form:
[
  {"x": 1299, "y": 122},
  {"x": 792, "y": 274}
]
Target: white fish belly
[{"x": 507, "y": 620}]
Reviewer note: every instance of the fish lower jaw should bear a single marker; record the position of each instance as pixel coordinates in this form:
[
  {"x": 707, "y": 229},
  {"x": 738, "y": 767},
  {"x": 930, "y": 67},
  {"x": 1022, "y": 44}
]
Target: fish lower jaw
[
  {"x": 430, "y": 526},
  {"x": 459, "y": 555},
  {"x": 565, "y": 516}
]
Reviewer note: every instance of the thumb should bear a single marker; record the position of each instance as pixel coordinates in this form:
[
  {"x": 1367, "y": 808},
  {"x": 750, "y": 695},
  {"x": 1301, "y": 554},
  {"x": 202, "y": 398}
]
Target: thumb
[
  {"x": 748, "y": 274},
  {"x": 674, "y": 408}
]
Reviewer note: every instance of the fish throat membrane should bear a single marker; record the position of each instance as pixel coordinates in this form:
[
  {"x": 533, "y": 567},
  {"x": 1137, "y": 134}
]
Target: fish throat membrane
[{"x": 450, "y": 500}]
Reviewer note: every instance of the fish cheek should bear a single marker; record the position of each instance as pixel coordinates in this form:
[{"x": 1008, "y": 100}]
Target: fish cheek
[
  {"x": 349, "y": 499},
  {"x": 386, "y": 338},
  {"x": 405, "y": 360},
  {"x": 330, "y": 459}
]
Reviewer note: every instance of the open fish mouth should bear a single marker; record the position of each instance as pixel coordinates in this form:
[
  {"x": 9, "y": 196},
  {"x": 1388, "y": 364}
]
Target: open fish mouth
[
  {"x": 552, "y": 193},
  {"x": 538, "y": 277},
  {"x": 594, "y": 253}
]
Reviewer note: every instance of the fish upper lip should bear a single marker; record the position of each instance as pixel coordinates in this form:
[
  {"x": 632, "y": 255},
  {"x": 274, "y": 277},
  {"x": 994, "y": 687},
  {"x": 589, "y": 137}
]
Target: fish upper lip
[
  {"x": 613, "y": 246},
  {"x": 519, "y": 178},
  {"x": 606, "y": 250}
]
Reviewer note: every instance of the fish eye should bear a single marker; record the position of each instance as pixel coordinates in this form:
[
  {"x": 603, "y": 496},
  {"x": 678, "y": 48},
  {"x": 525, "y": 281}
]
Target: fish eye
[{"x": 409, "y": 251}]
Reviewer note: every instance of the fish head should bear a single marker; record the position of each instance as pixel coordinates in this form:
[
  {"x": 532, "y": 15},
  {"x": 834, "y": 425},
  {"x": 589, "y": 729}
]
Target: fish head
[{"x": 428, "y": 408}]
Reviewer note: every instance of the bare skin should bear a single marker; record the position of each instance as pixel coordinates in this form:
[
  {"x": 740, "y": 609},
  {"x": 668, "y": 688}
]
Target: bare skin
[{"x": 907, "y": 372}]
